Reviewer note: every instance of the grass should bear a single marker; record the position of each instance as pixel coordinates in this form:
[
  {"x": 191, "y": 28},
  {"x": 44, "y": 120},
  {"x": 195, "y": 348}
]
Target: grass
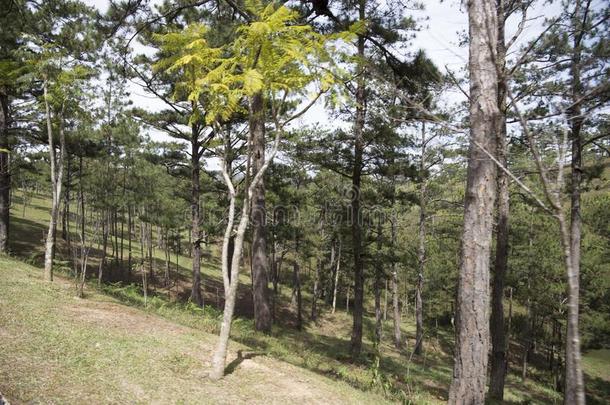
[
  {"x": 74, "y": 348},
  {"x": 55, "y": 348}
]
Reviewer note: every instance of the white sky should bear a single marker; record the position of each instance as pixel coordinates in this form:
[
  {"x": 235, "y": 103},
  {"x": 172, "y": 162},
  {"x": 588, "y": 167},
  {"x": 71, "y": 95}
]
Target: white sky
[{"x": 439, "y": 38}]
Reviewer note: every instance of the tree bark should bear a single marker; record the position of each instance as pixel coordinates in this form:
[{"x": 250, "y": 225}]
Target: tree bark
[
  {"x": 574, "y": 383},
  {"x": 260, "y": 283},
  {"x": 196, "y": 296},
  {"x": 5, "y": 178},
  {"x": 421, "y": 251},
  {"x": 472, "y": 333},
  {"x": 356, "y": 337},
  {"x": 499, "y": 354}
]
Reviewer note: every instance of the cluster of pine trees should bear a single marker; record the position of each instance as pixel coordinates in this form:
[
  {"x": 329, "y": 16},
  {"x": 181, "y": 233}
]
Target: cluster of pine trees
[{"x": 458, "y": 212}]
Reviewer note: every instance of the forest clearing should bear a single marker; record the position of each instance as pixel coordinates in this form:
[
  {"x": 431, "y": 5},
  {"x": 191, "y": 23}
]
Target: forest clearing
[{"x": 254, "y": 201}]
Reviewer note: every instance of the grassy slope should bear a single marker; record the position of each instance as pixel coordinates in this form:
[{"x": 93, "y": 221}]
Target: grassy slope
[
  {"x": 59, "y": 349},
  {"x": 154, "y": 363}
]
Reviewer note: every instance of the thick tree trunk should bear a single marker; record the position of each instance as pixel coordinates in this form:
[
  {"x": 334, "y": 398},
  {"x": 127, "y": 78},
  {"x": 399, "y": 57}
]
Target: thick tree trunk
[
  {"x": 499, "y": 356},
  {"x": 196, "y": 296},
  {"x": 5, "y": 178},
  {"x": 472, "y": 335},
  {"x": 260, "y": 289},
  {"x": 356, "y": 338},
  {"x": 574, "y": 383}
]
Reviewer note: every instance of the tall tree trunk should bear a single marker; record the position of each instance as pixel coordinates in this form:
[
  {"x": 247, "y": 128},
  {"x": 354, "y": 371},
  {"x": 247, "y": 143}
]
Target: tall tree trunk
[
  {"x": 149, "y": 247},
  {"x": 527, "y": 344},
  {"x": 377, "y": 287},
  {"x": 336, "y": 284},
  {"x": 385, "y": 300},
  {"x": 395, "y": 290},
  {"x": 260, "y": 289},
  {"x": 196, "y": 296},
  {"x": 396, "y": 309},
  {"x": 472, "y": 334},
  {"x": 129, "y": 226},
  {"x": 314, "y": 298},
  {"x": 5, "y": 177},
  {"x": 100, "y": 271},
  {"x": 574, "y": 383},
  {"x": 421, "y": 251},
  {"x": 356, "y": 338},
  {"x": 167, "y": 251},
  {"x": 57, "y": 164},
  {"x": 231, "y": 281},
  {"x": 65, "y": 220},
  {"x": 499, "y": 356},
  {"x": 297, "y": 301}
]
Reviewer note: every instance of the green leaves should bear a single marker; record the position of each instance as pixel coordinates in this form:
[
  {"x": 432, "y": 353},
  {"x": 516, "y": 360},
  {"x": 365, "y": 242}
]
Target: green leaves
[
  {"x": 253, "y": 82},
  {"x": 272, "y": 54}
]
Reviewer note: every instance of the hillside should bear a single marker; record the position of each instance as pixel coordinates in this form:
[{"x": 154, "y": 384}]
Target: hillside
[
  {"x": 58, "y": 349},
  {"x": 108, "y": 348}
]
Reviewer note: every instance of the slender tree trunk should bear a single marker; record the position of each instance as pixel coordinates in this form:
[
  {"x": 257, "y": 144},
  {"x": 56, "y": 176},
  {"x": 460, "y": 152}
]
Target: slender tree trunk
[
  {"x": 314, "y": 298},
  {"x": 396, "y": 309},
  {"x": 336, "y": 284},
  {"x": 356, "y": 338},
  {"x": 260, "y": 289},
  {"x": 57, "y": 163},
  {"x": 129, "y": 227},
  {"x": 296, "y": 293},
  {"x": 421, "y": 251},
  {"x": 196, "y": 296},
  {"x": 527, "y": 342},
  {"x": 5, "y": 177},
  {"x": 347, "y": 296},
  {"x": 149, "y": 247},
  {"x": 499, "y": 356},
  {"x": 472, "y": 337},
  {"x": 167, "y": 259},
  {"x": 105, "y": 225},
  {"x": 377, "y": 287},
  {"x": 231, "y": 281},
  {"x": 385, "y": 300},
  {"x": 65, "y": 225},
  {"x": 395, "y": 292}
]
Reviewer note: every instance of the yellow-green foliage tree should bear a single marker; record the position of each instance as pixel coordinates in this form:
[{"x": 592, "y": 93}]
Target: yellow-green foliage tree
[{"x": 276, "y": 59}]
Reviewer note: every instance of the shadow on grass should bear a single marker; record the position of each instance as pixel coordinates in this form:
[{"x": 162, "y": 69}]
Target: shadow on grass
[
  {"x": 597, "y": 390},
  {"x": 232, "y": 366}
]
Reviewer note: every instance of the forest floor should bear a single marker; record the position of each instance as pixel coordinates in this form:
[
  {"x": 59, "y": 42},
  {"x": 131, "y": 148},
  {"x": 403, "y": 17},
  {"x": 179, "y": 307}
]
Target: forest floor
[{"x": 114, "y": 347}]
